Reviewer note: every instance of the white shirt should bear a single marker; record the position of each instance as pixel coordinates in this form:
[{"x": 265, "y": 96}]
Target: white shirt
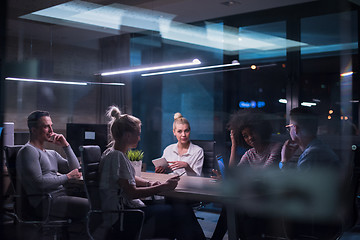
[{"x": 194, "y": 157}]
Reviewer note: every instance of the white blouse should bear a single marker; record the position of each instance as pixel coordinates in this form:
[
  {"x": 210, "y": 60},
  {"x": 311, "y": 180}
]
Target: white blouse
[{"x": 194, "y": 157}]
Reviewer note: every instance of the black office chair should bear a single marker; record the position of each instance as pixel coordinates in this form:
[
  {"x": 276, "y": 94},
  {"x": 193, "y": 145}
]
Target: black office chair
[
  {"x": 210, "y": 161},
  {"x": 91, "y": 156},
  {"x": 23, "y": 212}
]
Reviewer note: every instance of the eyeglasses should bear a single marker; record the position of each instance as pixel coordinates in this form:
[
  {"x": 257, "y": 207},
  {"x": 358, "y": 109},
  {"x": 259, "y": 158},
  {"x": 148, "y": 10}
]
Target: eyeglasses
[{"x": 288, "y": 127}]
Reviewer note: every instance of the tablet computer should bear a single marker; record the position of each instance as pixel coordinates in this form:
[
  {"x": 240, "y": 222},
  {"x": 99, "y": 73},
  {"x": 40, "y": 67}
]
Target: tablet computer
[{"x": 160, "y": 162}]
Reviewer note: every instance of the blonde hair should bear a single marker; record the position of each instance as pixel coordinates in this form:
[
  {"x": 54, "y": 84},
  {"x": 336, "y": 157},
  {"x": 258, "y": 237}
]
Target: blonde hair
[
  {"x": 179, "y": 119},
  {"x": 120, "y": 124}
]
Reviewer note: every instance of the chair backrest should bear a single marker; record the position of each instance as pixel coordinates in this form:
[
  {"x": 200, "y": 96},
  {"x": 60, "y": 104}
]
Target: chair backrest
[
  {"x": 210, "y": 161},
  {"x": 90, "y": 159},
  {"x": 10, "y": 160},
  {"x": 23, "y": 209},
  {"x": 131, "y": 220}
]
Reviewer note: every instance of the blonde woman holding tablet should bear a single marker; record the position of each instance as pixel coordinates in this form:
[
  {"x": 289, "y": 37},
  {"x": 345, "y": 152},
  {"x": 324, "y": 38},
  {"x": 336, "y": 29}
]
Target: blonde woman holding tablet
[{"x": 183, "y": 156}]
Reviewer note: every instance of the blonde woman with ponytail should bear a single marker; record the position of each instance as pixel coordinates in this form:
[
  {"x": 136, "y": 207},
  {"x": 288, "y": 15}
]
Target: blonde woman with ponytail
[
  {"x": 120, "y": 188},
  {"x": 182, "y": 156}
]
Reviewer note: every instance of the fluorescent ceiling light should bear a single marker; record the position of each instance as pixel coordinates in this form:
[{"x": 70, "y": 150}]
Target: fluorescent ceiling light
[
  {"x": 44, "y": 81},
  {"x": 194, "y": 62},
  {"x": 226, "y": 70},
  {"x": 308, "y": 104},
  {"x": 105, "y": 83},
  {"x": 190, "y": 69},
  {"x": 346, "y": 74},
  {"x": 282, "y": 101},
  {"x": 113, "y": 17},
  {"x": 61, "y": 82}
]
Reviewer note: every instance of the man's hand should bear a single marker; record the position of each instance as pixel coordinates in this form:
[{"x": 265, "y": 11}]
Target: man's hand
[
  {"x": 74, "y": 174},
  {"x": 288, "y": 150},
  {"x": 59, "y": 139}
]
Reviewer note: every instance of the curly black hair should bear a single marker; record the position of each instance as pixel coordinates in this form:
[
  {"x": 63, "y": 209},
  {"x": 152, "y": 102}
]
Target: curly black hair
[{"x": 253, "y": 119}]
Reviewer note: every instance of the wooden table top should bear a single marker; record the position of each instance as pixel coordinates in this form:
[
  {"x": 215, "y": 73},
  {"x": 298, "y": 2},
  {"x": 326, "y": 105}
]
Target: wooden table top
[{"x": 190, "y": 187}]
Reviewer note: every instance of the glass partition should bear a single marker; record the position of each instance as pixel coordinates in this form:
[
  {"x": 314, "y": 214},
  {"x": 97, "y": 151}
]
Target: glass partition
[{"x": 204, "y": 59}]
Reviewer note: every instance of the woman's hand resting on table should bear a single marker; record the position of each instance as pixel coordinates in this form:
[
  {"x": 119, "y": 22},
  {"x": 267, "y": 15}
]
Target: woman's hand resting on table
[
  {"x": 161, "y": 169},
  {"x": 170, "y": 184},
  {"x": 178, "y": 164},
  {"x": 155, "y": 183},
  {"x": 217, "y": 175}
]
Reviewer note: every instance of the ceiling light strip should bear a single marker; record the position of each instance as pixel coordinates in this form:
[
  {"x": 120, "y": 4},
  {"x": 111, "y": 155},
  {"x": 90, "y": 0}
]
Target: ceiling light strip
[
  {"x": 189, "y": 69},
  {"x": 194, "y": 62},
  {"x": 45, "y": 81},
  {"x": 227, "y": 70},
  {"x": 100, "y": 83},
  {"x": 346, "y": 74},
  {"x": 61, "y": 82}
]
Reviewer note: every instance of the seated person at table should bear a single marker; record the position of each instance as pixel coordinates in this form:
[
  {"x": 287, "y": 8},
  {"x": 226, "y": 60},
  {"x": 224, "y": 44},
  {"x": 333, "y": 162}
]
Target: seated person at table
[
  {"x": 249, "y": 128},
  {"x": 120, "y": 188},
  {"x": 315, "y": 155},
  {"x": 45, "y": 171},
  {"x": 182, "y": 156},
  {"x": 303, "y": 134}
]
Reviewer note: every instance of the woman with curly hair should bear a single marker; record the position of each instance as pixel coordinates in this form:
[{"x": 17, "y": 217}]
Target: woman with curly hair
[{"x": 250, "y": 129}]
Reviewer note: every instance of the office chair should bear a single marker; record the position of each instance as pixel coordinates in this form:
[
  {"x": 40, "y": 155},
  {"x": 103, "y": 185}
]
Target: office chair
[
  {"x": 24, "y": 213},
  {"x": 91, "y": 156},
  {"x": 210, "y": 162}
]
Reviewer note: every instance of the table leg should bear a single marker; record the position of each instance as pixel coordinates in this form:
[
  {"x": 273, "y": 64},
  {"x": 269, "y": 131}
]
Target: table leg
[{"x": 231, "y": 220}]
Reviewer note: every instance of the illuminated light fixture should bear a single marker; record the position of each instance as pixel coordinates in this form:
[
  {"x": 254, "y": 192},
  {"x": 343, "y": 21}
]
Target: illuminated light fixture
[
  {"x": 102, "y": 83},
  {"x": 331, "y": 111},
  {"x": 346, "y": 74},
  {"x": 193, "y": 62},
  {"x": 61, "y": 82},
  {"x": 342, "y": 117},
  {"x": 253, "y": 67},
  {"x": 346, "y": 118},
  {"x": 225, "y": 70},
  {"x": 308, "y": 104},
  {"x": 329, "y": 117},
  {"x": 45, "y": 81},
  {"x": 354, "y": 101},
  {"x": 234, "y": 63},
  {"x": 282, "y": 101}
]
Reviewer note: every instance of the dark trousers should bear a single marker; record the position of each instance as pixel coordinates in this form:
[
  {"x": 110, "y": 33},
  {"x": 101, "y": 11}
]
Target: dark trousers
[
  {"x": 248, "y": 226},
  {"x": 65, "y": 206},
  {"x": 167, "y": 221}
]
